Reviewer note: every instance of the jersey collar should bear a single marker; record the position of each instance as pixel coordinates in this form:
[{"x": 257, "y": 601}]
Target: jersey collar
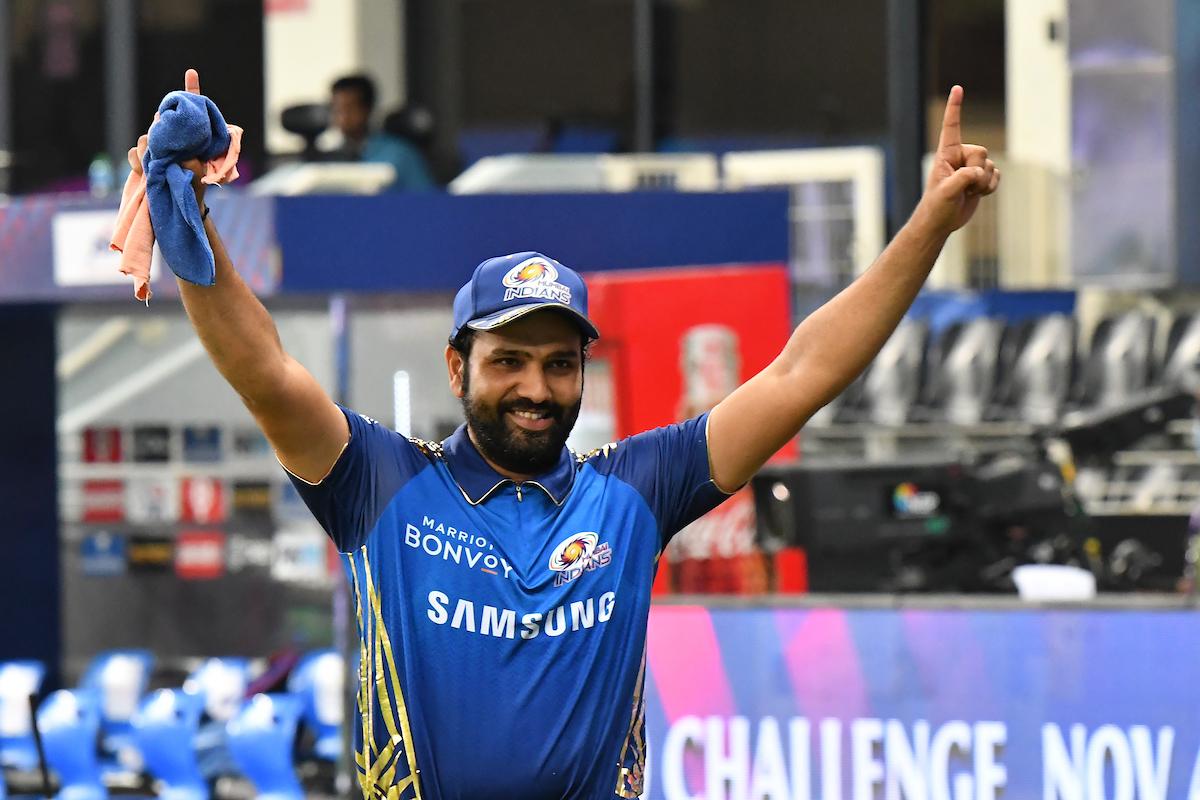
[{"x": 478, "y": 480}]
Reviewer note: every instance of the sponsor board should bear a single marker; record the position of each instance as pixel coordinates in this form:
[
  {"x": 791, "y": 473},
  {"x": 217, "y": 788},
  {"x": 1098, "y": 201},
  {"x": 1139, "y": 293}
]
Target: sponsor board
[
  {"x": 103, "y": 501},
  {"x": 300, "y": 555},
  {"x": 249, "y": 443},
  {"x": 151, "y": 444},
  {"x": 102, "y": 554},
  {"x": 251, "y": 497},
  {"x": 202, "y": 444},
  {"x": 200, "y": 555},
  {"x": 244, "y": 553},
  {"x": 922, "y": 704},
  {"x": 203, "y": 500},
  {"x": 101, "y": 445},
  {"x": 82, "y": 256},
  {"x": 152, "y": 500},
  {"x": 150, "y": 553}
]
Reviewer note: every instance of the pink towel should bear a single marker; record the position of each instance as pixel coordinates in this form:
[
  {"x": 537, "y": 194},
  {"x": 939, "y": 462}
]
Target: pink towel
[{"x": 133, "y": 236}]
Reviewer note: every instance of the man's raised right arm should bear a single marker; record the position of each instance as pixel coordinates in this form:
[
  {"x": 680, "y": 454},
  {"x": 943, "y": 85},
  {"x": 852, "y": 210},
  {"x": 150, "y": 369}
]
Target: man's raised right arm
[
  {"x": 300, "y": 420},
  {"x": 306, "y": 429}
]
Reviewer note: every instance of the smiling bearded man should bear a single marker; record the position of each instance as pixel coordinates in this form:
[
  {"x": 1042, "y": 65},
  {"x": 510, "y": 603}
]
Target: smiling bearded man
[
  {"x": 522, "y": 435},
  {"x": 502, "y": 582}
]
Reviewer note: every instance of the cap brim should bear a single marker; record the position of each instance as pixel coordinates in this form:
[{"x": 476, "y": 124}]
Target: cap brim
[{"x": 501, "y": 318}]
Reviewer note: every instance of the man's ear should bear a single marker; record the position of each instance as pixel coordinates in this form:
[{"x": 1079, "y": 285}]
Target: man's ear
[{"x": 455, "y": 364}]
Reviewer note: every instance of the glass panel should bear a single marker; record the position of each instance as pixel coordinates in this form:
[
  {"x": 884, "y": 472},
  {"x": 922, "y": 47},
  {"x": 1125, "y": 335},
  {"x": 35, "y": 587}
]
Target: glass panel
[{"x": 174, "y": 510}]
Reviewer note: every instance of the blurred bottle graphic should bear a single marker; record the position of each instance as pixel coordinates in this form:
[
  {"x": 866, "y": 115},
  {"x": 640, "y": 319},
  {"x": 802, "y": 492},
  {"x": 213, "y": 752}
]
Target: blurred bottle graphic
[
  {"x": 717, "y": 553},
  {"x": 101, "y": 176},
  {"x": 710, "y": 362}
]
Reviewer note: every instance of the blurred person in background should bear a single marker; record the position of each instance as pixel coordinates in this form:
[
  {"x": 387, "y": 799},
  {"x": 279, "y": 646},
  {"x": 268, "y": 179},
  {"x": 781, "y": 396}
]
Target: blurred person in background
[{"x": 351, "y": 103}]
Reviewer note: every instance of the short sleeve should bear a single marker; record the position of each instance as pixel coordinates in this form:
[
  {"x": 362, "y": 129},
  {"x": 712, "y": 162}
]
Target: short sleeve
[
  {"x": 375, "y": 464},
  {"x": 669, "y": 467}
]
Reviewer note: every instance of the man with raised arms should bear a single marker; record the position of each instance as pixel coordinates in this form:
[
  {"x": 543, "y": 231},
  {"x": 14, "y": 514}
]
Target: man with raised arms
[{"x": 511, "y": 664}]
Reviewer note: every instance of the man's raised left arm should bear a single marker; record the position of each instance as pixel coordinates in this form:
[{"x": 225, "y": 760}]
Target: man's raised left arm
[{"x": 835, "y": 343}]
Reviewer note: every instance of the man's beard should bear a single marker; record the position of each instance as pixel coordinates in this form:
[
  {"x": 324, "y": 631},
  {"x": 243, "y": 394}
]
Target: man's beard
[{"x": 515, "y": 449}]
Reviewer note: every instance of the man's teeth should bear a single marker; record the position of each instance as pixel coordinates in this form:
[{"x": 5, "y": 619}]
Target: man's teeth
[{"x": 531, "y": 414}]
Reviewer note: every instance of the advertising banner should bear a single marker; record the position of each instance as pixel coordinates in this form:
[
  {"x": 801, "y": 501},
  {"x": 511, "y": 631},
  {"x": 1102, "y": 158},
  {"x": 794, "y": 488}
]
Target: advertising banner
[
  {"x": 200, "y": 555},
  {"x": 152, "y": 499},
  {"x": 55, "y": 247},
  {"x": 202, "y": 444},
  {"x": 103, "y": 501},
  {"x": 835, "y": 704},
  {"x": 413, "y": 230},
  {"x": 152, "y": 444},
  {"x": 203, "y": 500},
  {"x": 82, "y": 256},
  {"x": 681, "y": 339},
  {"x": 676, "y": 341},
  {"x": 101, "y": 445},
  {"x": 102, "y": 554},
  {"x": 150, "y": 553}
]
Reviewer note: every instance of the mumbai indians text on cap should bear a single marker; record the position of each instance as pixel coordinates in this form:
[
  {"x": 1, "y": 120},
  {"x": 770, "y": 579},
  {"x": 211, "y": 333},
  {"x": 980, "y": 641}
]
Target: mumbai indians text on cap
[{"x": 505, "y": 288}]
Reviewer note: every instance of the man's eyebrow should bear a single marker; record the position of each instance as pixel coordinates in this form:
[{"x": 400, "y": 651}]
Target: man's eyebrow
[{"x": 508, "y": 351}]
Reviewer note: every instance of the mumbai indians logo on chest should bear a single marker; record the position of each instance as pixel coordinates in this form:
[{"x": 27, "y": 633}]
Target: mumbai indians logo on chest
[
  {"x": 534, "y": 277},
  {"x": 577, "y": 554}
]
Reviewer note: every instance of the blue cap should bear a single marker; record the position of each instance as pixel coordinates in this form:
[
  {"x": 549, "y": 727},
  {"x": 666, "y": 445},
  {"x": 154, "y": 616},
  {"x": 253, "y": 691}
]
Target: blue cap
[{"x": 506, "y": 288}]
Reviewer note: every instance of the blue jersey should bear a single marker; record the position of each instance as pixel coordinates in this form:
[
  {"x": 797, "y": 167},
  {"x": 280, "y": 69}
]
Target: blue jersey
[{"x": 502, "y": 625}]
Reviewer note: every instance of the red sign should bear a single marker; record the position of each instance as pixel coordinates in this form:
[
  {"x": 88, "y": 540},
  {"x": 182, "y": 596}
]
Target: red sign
[
  {"x": 103, "y": 501},
  {"x": 679, "y": 340},
  {"x": 283, "y": 6},
  {"x": 200, "y": 555},
  {"x": 101, "y": 445},
  {"x": 203, "y": 500}
]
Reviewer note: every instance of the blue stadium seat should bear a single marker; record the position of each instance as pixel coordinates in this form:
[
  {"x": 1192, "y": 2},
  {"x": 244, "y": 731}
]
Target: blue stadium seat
[
  {"x": 222, "y": 683},
  {"x": 18, "y": 680},
  {"x": 261, "y": 737},
  {"x": 477, "y": 143},
  {"x": 962, "y": 368},
  {"x": 1037, "y": 366},
  {"x": 319, "y": 681},
  {"x": 164, "y": 728},
  {"x": 892, "y": 383},
  {"x": 69, "y": 720},
  {"x": 582, "y": 138},
  {"x": 1181, "y": 360},
  {"x": 119, "y": 678},
  {"x": 1119, "y": 363}
]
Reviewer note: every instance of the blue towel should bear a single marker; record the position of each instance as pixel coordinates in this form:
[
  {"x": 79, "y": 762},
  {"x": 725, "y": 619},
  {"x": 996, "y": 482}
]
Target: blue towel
[{"x": 189, "y": 126}]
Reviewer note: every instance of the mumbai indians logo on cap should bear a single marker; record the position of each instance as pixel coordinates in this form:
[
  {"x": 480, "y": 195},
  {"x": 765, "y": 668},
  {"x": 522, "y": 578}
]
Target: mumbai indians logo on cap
[
  {"x": 535, "y": 278},
  {"x": 578, "y": 554}
]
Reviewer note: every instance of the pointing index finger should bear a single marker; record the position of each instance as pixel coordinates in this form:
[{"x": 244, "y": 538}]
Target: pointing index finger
[
  {"x": 191, "y": 81},
  {"x": 951, "y": 137}
]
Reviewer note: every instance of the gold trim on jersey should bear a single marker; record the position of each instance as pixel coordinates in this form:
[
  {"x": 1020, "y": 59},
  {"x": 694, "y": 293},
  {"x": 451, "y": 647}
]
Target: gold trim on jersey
[
  {"x": 379, "y": 682},
  {"x": 630, "y": 780}
]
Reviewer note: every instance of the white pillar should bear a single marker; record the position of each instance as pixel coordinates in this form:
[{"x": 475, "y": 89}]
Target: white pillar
[{"x": 1034, "y": 205}]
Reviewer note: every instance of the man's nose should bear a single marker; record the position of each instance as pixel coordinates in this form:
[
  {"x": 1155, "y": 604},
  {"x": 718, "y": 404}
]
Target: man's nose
[{"x": 533, "y": 386}]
